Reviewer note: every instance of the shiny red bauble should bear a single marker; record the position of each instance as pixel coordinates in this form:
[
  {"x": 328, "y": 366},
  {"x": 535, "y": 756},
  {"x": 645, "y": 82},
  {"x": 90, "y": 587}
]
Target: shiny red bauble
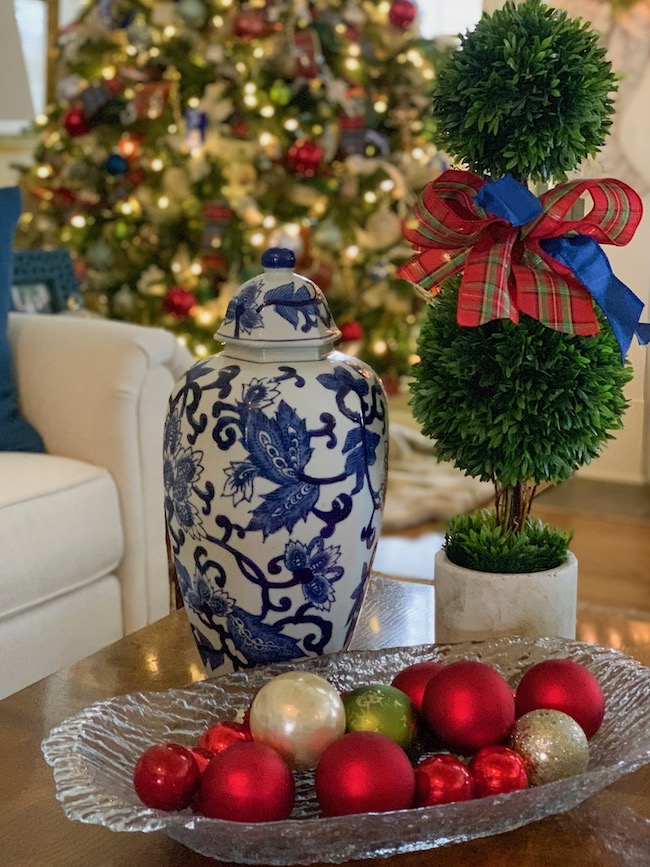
[
  {"x": 248, "y": 782},
  {"x": 442, "y": 779},
  {"x": 469, "y": 705},
  {"x": 414, "y": 679},
  {"x": 224, "y": 734},
  {"x": 497, "y": 770},
  {"x": 202, "y": 757},
  {"x": 364, "y": 772},
  {"x": 304, "y": 158},
  {"x": 565, "y": 685},
  {"x": 178, "y": 302},
  {"x": 402, "y": 14},
  {"x": 166, "y": 777},
  {"x": 75, "y": 122}
]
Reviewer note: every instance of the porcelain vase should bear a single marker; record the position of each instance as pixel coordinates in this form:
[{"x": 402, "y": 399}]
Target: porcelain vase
[
  {"x": 275, "y": 457},
  {"x": 477, "y": 606}
]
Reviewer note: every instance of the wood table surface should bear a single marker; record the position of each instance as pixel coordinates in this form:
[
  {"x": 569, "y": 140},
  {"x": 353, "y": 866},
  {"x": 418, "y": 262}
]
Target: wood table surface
[{"x": 610, "y": 828}]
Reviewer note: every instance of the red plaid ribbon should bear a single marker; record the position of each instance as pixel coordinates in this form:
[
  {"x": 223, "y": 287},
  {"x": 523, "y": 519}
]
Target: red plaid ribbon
[{"x": 505, "y": 269}]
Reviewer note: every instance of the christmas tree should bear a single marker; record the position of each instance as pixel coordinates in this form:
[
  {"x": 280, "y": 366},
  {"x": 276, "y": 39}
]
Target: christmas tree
[{"x": 188, "y": 136}]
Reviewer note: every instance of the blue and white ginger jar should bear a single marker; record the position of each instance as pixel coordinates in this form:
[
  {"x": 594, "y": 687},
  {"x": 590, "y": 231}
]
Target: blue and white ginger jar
[{"x": 275, "y": 458}]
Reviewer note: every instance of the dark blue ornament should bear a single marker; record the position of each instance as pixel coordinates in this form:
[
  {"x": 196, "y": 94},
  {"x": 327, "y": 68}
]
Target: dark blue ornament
[{"x": 116, "y": 165}]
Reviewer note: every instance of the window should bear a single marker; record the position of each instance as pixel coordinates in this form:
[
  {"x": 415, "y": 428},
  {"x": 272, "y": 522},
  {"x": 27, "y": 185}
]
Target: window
[{"x": 448, "y": 19}]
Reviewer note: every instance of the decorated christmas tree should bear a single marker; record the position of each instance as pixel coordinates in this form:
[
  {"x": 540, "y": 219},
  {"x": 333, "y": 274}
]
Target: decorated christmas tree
[{"x": 188, "y": 136}]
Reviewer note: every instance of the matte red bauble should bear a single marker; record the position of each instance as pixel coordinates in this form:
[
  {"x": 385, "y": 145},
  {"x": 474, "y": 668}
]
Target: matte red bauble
[
  {"x": 497, "y": 770},
  {"x": 469, "y": 705},
  {"x": 304, "y": 157},
  {"x": 565, "y": 685},
  {"x": 248, "y": 782},
  {"x": 250, "y": 25},
  {"x": 75, "y": 122},
  {"x": 224, "y": 734},
  {"x": 402, "y": 14},
  {"x": 364, "y": 772},
  {"x": 414, "y": 679},
  {"x": 166, "y": 777},
  {"x": 442, "y": 779}
]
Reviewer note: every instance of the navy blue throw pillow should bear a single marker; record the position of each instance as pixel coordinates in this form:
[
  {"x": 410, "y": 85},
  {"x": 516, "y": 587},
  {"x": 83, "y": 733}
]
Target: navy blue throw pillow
[{"x": 16, "y": 434}]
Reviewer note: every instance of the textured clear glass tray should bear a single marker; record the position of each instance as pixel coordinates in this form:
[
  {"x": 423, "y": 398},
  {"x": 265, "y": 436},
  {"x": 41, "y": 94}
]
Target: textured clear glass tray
[{"x": 93, "y": 755}]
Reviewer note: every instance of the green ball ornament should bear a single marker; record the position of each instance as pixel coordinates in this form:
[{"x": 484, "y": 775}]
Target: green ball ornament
[
  {"x": 121, "y": 230},
  {"x": 280, "y": 93},
  {"x": 381, "y": 708}
]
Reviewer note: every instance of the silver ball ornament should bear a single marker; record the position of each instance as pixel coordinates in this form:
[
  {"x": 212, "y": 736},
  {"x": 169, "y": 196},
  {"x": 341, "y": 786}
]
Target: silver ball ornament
[{"x": 552, "y": 745}]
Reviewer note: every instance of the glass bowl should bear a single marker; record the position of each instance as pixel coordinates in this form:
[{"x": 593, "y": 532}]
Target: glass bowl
[{"x": 93, "y": 755}]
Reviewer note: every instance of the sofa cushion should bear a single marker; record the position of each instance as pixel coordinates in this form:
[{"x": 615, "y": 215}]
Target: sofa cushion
[
  {"x": 16, "y": 434},
  {"x": 59, "y": 525}
]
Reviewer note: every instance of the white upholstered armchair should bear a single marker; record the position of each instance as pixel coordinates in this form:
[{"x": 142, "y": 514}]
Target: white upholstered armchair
[{"x": 82, "y": 540}]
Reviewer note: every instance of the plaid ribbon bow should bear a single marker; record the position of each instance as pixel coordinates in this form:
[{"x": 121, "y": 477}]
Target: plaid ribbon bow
[{"x": 520, "y": 254}]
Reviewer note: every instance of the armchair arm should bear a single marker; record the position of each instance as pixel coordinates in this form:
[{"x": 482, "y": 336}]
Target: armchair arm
[{"x": 97, "y": 391}]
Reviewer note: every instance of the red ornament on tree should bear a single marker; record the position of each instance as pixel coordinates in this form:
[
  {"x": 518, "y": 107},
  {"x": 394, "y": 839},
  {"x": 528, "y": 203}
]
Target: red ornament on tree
[
  {"x": 248, "y": 782},
  {"x": 497, "y": 770},
  {"x": 565, "y": 685},
  {"x": 354, "y": 331},
  {"x": 364, "y": 772},
  {"x": 75, "y": 122},
  {"x": 166, "y": 777},
  {"x": 224, "y": 734},
  {"x": 402, "y": 14},
  {"x": 469, "y": 705},
  {"x": 442, "y": 779},
  {"x": 178, "y": 302},
  {"x": 250, "y": 24},
  {"x": 304, "y": 157},
  {"x": 414, "y": 679}
]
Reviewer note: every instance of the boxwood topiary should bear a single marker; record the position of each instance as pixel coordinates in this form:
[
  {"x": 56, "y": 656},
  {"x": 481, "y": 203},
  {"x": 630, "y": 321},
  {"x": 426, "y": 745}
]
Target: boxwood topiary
[{"x": 528, "y": 92}]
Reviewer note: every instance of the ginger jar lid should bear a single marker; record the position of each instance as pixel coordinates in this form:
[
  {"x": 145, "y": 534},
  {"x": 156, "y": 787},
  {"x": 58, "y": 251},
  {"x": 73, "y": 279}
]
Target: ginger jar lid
[{"x": 277, "y": 307}]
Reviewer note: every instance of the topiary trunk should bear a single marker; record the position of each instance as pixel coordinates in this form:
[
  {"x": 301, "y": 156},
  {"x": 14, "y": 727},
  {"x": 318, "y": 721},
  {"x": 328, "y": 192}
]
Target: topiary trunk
[{"x": 513, "y": 504}]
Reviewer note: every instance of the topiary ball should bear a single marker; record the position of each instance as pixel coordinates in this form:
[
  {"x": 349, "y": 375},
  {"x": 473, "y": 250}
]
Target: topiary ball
[
  {"x": 515, "y": 402},
  {"x": 527, "y": 92}
]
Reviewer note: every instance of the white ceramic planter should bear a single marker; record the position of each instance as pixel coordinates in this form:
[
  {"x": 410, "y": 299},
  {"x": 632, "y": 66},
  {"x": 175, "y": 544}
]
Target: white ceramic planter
[{"x": 476, "y": 606}]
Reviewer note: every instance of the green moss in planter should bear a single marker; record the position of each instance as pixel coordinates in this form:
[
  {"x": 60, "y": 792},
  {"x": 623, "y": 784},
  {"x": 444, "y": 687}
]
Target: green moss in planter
[
  {"x": 477, "y": 542},
  {"x": 529, "y": 92}
]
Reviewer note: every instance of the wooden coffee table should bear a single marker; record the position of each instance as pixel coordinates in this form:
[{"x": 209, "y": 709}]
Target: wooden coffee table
[{"x": 610, "y": 828}]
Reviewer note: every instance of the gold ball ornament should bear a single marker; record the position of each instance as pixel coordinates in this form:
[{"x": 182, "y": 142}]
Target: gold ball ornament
[
  {"x": 299, "y": 714},
  {"x": 552, "y": 745}
]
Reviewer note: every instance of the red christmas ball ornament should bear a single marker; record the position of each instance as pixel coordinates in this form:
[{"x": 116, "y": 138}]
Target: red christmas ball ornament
[
  {"x": 166, "y": 777},
  {"x": 402, "y": 14},
  {"x": 497, "y": 770},
  {"x": 304, "y": 157},
  {"x": 250, "y": 24},
  {"x": 364, "y": 772},
  {"x": 442, "y": 779},
  {"x": 224, "y": 734},
  {"x": 564, "y": 685},
  {"x": 248, "y": 782},
  {"x": 352, "y": 331},
  {"x": 75, "y": 122},
  {"x": 178, "y": 302},
  {"x": 469, "y": 705},
  {"x": 202, "y": 757},
  {"x": 414, "y": 679}
]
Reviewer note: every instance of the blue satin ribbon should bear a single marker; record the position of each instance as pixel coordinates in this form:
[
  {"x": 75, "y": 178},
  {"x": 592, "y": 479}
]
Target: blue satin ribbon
[
  {"x": 514, "y": 202},
  {"x": 586, "y": 259},
  {"x": 509, "y": 200}
]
